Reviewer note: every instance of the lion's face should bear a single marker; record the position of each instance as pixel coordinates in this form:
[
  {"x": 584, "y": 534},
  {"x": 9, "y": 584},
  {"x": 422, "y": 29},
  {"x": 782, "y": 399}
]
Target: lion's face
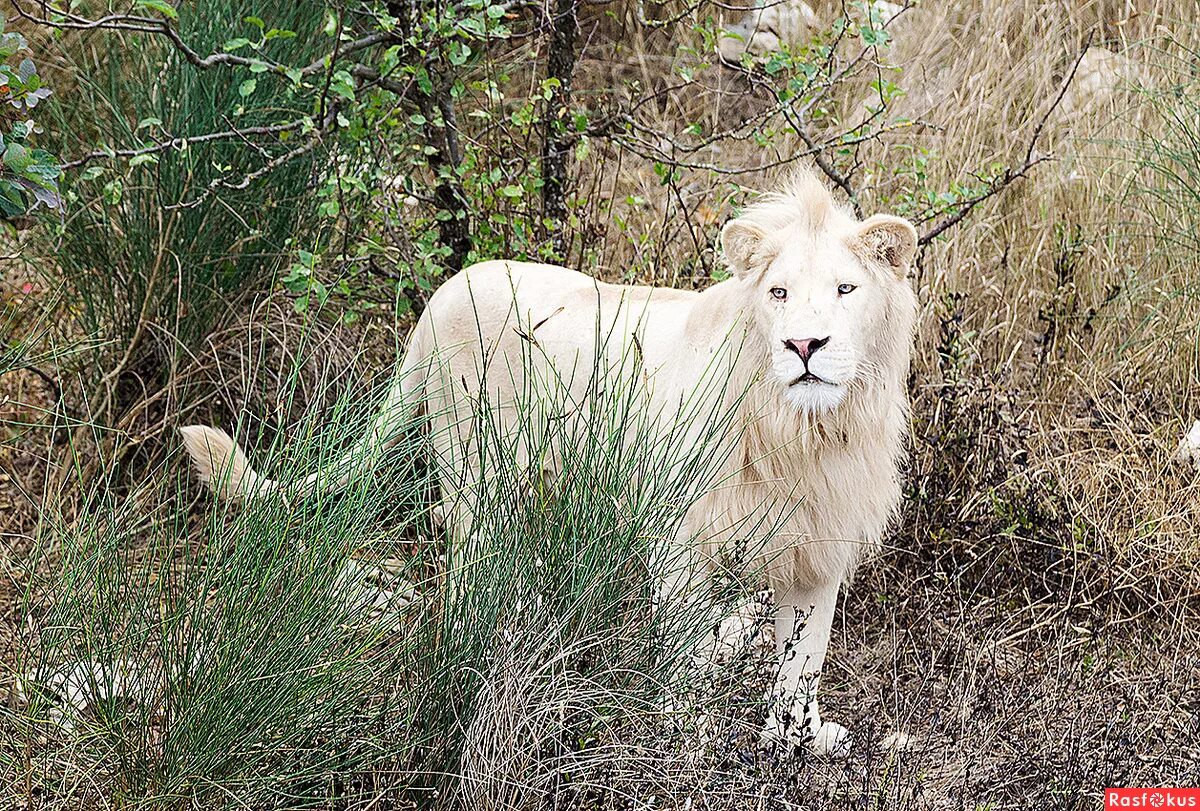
[
  {"x": 816, "y": 308},
  {"x": 823, "y": 305}
]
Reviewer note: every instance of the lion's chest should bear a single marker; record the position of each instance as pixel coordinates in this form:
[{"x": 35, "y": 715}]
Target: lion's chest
[{"x": 806, "y": 518}]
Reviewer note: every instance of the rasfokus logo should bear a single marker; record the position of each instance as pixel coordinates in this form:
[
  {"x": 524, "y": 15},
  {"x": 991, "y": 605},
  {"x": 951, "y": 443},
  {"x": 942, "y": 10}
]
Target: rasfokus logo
[{"x": 1151, "y": 798}]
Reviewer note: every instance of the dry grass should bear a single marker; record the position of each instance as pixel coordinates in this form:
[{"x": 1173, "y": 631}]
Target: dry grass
[
  {"x": 1035, "y": 625},
  {"x": 1068, "y": 321}
]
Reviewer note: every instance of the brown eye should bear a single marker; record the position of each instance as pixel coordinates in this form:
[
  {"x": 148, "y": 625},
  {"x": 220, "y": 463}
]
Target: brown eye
[
  {"x": 779, "y": 294},
  {"x": 845, "y": 289}
]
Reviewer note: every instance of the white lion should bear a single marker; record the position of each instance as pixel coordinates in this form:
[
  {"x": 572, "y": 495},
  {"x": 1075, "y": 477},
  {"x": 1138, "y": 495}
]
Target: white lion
[{"x": 815, "y": 328}]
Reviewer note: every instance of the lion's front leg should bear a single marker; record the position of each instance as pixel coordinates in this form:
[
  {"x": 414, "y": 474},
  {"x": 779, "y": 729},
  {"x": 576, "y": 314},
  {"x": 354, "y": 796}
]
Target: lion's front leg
[{"x": 803, "y": 620}]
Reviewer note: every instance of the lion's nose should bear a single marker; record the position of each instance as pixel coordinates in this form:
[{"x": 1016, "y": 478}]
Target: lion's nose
[{"x": 804, "y": 347}]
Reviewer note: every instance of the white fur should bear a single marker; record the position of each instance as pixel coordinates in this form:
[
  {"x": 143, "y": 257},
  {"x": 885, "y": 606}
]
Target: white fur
[
  {"x": 816, "y": 461},
  {"x": 219, "y": 462}
]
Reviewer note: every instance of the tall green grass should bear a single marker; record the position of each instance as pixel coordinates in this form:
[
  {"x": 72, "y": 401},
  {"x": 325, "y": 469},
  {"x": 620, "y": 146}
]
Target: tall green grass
[
  {"x": 1169, "y": 156},
  {"x": 1165, "y": 185},
  {"x": 155, "y": 253},
  {"x": 267, "y": 676},
  {"x": 23, "y": 338}
]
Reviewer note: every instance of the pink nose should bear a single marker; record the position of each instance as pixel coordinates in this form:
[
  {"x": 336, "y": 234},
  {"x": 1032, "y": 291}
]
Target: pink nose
[{"x": 805, "y": 347}]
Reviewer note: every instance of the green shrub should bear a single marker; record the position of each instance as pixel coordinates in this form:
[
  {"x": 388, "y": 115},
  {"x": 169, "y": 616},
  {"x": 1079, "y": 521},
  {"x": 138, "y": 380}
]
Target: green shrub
[
  {"x": 160, "y": 243},
  {"x": 244, "y": 657}
]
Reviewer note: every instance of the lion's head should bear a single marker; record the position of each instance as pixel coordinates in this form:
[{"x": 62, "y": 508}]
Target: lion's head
[{"x": 827, "y": 295}]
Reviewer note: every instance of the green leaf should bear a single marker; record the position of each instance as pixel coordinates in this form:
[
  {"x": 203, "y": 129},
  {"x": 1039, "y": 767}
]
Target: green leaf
[
  {"x": 296, "y": 281},
  {"x": 256, "y": 22},
  {"x": 247, "y": 87},
  {"x": 457, "y": 52},
  {"x": 343, "y": 85},
  {"x": 472, "y": 26},
  {"x": 512, "y": 191},
  {"x": 17, "y": 158},
  {"x": 12, "y": 199},
  {"x": 113, "y": 191},
  {"x": 424, "y": 82},
  {"x": 236, "y": 43},
  {"x": 161, "y": 6},
  {"x": 871, "y": 36},
  {"x": 11, "y": 43},
  {"x": 138, "y": 160}
]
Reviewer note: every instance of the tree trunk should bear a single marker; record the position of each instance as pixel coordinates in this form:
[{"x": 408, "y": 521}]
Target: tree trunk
[
  {"x": 454, "y": 230},
  {"x": 558, "y": 139}
]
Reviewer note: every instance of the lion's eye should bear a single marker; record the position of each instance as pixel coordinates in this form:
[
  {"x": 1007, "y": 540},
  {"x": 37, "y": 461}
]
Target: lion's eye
[
  {"x": 778, "y": 293},
  {"x": 845, "y": 289}
]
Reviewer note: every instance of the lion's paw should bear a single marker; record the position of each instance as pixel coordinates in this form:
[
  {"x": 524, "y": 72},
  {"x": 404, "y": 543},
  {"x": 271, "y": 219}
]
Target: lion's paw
[
  {"x": 829, "y": 739},
  {"x": 832, "y": 740}
]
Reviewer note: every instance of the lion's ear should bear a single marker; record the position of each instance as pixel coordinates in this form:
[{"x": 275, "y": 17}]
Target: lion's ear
[
  {"x": 744, "y": 244},
  {"x": 890, "y": 241}
]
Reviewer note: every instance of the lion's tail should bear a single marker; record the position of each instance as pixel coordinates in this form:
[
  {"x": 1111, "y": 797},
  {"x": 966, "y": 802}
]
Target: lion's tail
[{"x": 224, "y": 467}]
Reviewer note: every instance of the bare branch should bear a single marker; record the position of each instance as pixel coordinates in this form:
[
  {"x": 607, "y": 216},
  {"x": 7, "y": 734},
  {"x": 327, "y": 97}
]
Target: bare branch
[
  {"x": 377, "y": 38},
  {"x": 967, "y": 206},
  {"x": 824, "y": 164},
  {"x": 315, "y": 139},
  {"x": 1010, "y": 175},
  {"x": 182, "y": 142}
]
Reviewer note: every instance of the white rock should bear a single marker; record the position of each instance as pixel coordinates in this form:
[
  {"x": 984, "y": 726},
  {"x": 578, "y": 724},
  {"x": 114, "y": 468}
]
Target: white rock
[
  {"x": 79, "y": 685},
  {"x": 886, "y": 11},
  {"x": 1188, "y": 452},
  {"x": 896, "y": 742},
  {"x": 374, "y": 591},
  {"x": 762, "y": 31}
]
